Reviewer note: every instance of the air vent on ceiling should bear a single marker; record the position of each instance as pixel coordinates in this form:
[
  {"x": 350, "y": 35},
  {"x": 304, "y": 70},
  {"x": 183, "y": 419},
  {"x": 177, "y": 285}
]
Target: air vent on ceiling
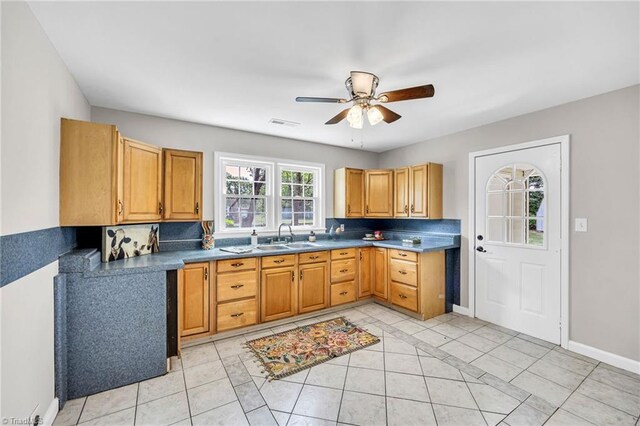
[{"x": 281, "y": 122}]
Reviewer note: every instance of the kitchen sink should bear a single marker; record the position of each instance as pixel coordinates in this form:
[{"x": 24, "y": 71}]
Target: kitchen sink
[
  {"x": 272, "y": 247},
  {"x": 301, "y": 245}
]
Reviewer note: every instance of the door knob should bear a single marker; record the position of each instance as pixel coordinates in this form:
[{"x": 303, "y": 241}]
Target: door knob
[
  {"x": 480, "y": 238},
  {"x": 481, "y": 249}
]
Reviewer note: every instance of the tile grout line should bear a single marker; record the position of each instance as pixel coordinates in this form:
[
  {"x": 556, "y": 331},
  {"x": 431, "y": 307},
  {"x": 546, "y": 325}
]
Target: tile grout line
[
  {"x": 186, "y": 390},
  {"x": 135, "y": 411}
]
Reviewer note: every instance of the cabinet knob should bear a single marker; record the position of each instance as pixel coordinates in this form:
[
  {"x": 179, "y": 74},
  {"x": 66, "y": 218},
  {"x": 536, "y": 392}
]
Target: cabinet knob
[
  {"x": 402, "y": 296},
  {"x": 344, "y": 293},
  {"x": 349, "y": 208},
  {"x": 406, "y": 208},
  {"x": 160, "y": 208},
  {"x": 366, "y": 210},
  {"x": 237, "y": 264},
  {"x": 237, "y": 286},
  {"x": 412, "y": 208},
  {"x": 301, "y": 275},
  {"x": 344, "y": 270},
  {"x": 237, "y": 315},
  {"x": 121, "y": 208},
  {"x": 402, "y": 254},
  {"x": 278, "y": 261},
  {"x": 313, "y": 257},
  {"x": 402, "y": 272}
]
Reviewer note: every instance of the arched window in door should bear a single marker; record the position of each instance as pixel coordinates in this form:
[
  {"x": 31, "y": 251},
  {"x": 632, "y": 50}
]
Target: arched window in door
[{"x": 516, "y": 206}]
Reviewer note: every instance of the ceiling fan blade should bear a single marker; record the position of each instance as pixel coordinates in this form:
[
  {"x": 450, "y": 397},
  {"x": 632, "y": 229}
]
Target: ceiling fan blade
[
  {"x": 328, "y": 100},
  {"x": 388, "y": 116},
  {"x": 418, "y": 92},
  {"x": 338, "y": 118}
]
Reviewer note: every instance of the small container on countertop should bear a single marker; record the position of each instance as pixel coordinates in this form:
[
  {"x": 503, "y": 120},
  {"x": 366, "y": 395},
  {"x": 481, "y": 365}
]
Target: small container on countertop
[
  {"x": 312, "y": 237},
  {"x": 254, "y": 238}
]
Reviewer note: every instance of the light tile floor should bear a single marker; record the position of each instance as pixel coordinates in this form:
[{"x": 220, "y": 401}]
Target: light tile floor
[{"x": 451, "y": 370}]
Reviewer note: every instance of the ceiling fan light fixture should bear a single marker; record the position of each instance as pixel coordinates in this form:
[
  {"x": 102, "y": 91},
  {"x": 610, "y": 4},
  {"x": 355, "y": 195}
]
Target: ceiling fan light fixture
[
  {"x": 354, "y": 117},
  {"x": 374, "y": 115},
  {"x": 363, "y": 83}
]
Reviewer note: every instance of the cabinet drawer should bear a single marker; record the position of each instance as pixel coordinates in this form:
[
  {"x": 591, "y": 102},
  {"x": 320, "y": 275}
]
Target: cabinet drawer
[
  {"x": 405, "y": 296},
  {"x": 236, "y": 314},
  {"x": 237, "y": 264},
  {"x": 343, "y": 270},
  {"x": 313, "y": 257},
  {"x": 278, "y": 261},
  {"x": 403, "y": 272},
  {"x": 237, "y": 285},
  {"x": 411, "y": 256},
  {"x": 343, "y": 293},
  {"x": 343, "y": 253}
]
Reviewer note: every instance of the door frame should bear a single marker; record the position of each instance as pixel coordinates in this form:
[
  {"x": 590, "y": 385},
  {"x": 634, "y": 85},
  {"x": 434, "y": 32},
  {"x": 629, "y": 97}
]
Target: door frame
[{"x": 563, "y": 141}]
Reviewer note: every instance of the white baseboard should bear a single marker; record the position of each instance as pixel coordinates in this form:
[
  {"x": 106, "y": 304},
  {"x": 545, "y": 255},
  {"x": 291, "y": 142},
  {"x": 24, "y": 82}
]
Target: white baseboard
[
  {"x": 52, "y": 412},
  {"x": 461, "y": 310},
  {"x": 604, "y": 356}
]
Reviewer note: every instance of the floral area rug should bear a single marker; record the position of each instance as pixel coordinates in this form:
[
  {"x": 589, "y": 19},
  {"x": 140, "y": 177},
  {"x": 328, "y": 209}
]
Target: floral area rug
[{"x": 292, "y": 351}]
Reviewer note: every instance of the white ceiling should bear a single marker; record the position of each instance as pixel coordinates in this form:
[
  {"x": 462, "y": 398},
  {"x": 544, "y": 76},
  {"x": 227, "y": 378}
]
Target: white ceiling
[{"x": 239, "y": 64}]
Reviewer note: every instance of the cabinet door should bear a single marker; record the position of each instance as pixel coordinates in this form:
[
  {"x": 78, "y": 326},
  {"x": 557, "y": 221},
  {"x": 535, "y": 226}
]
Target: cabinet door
[
  {"x": 365, "y": 272},
  {"x": 355, "y": 193},
  {"x": 142, "y": 182},
  {"x": 401, "y": 190},
  {"x": 378, "y": 193},
  {"x": 435, "y": 191},
  {"x": 278, "y": 295},
  {"x": 380, "y": 273},
  {"x": 313, "y": 287},
  {"x": 193, "y": 299},
  {"x": 182, "y": 185},
  {"x": 419, "y": 191}
]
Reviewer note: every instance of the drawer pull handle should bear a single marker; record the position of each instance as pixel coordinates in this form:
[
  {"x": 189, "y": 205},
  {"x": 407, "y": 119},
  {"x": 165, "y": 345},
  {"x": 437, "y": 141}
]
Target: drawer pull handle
[
  {"x": 237, "y": 264},
  {"x": 344, "y": 270},
  {"x": 237, "y": 286},
  {"x": 344, "y": 293},
  {"x": 313, "y": 257},
  {"x": 402, "y": 254},
  {"x": 403, "y": 272},
  {"x": 344, "y": 253},
  {"x": 237, "y": 315},
  {"x": 402, "y": 296},
  {"x": 278, "y": 261}
]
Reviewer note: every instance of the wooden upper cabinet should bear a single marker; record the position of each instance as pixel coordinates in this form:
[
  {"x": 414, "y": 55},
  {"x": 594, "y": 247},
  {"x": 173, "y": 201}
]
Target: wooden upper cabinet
[
  {"x": 365, "y": 272},
  {"x": 182, "y": 185},
  {"x": 401, "y": 191},
  {"x": 142, "y": 182},
  {"x": 348, "y": 194},
  {"x": 419, "y": 191},
  {"x": 194, "y": 299},
  {"x": 378, "y": 193},
  {"x": 434, "y": 192}
]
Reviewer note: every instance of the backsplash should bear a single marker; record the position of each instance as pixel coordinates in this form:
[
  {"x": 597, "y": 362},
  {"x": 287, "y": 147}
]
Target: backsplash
[{"x": 188, "y": 235}]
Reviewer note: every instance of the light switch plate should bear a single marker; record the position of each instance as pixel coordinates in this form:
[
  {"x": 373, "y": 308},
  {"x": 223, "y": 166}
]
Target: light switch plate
[
  {"x": 342, "y": 227},
  {"x": 581, "y": 224}
]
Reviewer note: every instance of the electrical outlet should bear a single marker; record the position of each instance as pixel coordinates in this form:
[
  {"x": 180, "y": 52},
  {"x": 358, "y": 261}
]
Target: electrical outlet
[
  {"x": 581, "y": 224},
  {"x": 342, "y": 227}
]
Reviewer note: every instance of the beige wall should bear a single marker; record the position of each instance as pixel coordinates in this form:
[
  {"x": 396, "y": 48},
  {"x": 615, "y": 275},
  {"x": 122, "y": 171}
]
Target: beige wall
[
  {"x": 37, "y": 89},
  {"x": 208, "y": 139},
  {"x": 605, "y": 188}
]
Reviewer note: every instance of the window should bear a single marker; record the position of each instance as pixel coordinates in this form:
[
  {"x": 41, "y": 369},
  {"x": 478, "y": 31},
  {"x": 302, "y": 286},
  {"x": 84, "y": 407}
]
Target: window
[
  {"x": 516, "y": 206},
  {"x": 258, "y": 193}
]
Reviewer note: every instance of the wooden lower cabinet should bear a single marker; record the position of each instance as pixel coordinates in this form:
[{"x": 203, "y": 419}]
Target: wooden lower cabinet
[
  {"x": 343, "y": 293},
  {"x": 236, "y": 293},
  {"x": 313, "y": 287},
  {"x": 365, "y": 272},
  {"x": 278, "y": 295},
  {"x": 380, "y": 273},
  {"x": 236, "y": 314},
  {"x": 194, "y": 298}
]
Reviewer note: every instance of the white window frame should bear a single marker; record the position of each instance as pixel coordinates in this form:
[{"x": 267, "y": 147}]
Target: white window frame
[{"x": 273, "y": 167}]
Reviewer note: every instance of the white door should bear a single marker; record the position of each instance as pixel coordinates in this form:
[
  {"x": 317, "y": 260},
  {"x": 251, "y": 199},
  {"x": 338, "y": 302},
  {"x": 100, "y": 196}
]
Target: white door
[{"x": 518, "y": 240}]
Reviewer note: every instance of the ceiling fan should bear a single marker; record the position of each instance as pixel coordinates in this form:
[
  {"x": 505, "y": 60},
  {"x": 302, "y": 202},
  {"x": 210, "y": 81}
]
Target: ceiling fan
[{"x": 361, "y": 87}]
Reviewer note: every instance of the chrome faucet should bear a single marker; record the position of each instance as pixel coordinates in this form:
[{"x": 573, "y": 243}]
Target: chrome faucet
[{"x": 280, "y": 230}]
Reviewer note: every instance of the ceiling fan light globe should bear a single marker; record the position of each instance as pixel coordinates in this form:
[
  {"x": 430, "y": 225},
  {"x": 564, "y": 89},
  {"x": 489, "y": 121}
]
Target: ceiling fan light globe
[
  {"x": 355, "y": 114},
  {"x": 374, "y": 115},
  {"x": 357, "y": 124}
]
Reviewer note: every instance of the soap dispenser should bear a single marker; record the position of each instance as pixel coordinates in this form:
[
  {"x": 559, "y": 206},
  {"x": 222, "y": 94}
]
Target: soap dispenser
[{"x": 254, "y": 238}]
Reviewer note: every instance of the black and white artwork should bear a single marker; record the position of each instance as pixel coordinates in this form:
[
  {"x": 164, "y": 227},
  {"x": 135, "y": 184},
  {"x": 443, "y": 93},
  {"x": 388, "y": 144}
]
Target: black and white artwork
[{"x": 122, "y": 242}]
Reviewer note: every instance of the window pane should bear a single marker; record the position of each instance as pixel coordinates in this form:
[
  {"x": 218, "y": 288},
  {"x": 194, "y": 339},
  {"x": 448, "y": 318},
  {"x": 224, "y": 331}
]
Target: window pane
[
  {"x": 535, "y": 234},
  {"x": 496, "y": 183},
  {"x": 286, "y": 190},
  {"x": 232, "y": 220},
  {"x": 232, "y": 187},
  {"x": 536, "y": 182},
  {"x": 516, "y": 203},
  {"x": 297, "y": 190},
  {"x": 298, "y": 219},
  {"x": 298, "y": 206},
  {"x": 259, "y": 174},
  {"x": 232, "y": 172},
  {"x": 233, "y": 205},
  {"x": 246, "y": 173},
  {"x": 308, "y": 191},
  {"x": 308, "y": 178},
  {"x": 260, "y": 219},
  {"x": 285, "y": 211},
  {"x": 308, "y": 219},
  {"x": 245, "y": 188},
  {"x": 495, "y": 204},
  {"x": 308, "y": 205},
  {"x": 536, "y": 203},
  {"x": 495, "y": 230},
  {"x": 297, "y": 177},
  {"x": 286, "y": 176},
  {"x": 516, "y": 231},
  {"x": 260, "y": 205}
]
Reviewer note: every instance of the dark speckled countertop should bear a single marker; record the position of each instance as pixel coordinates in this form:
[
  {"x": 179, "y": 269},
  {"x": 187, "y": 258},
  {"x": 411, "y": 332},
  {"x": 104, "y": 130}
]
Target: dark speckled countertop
[{"x": 171, "y": 260}]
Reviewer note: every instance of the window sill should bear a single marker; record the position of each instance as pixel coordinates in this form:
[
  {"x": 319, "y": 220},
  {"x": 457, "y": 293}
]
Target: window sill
[{"x": 267, "y": 232}]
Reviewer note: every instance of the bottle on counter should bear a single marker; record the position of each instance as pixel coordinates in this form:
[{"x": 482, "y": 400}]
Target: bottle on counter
[
  {"x": 254, "y": 238},
  {"x": 312, "y": 237}
]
